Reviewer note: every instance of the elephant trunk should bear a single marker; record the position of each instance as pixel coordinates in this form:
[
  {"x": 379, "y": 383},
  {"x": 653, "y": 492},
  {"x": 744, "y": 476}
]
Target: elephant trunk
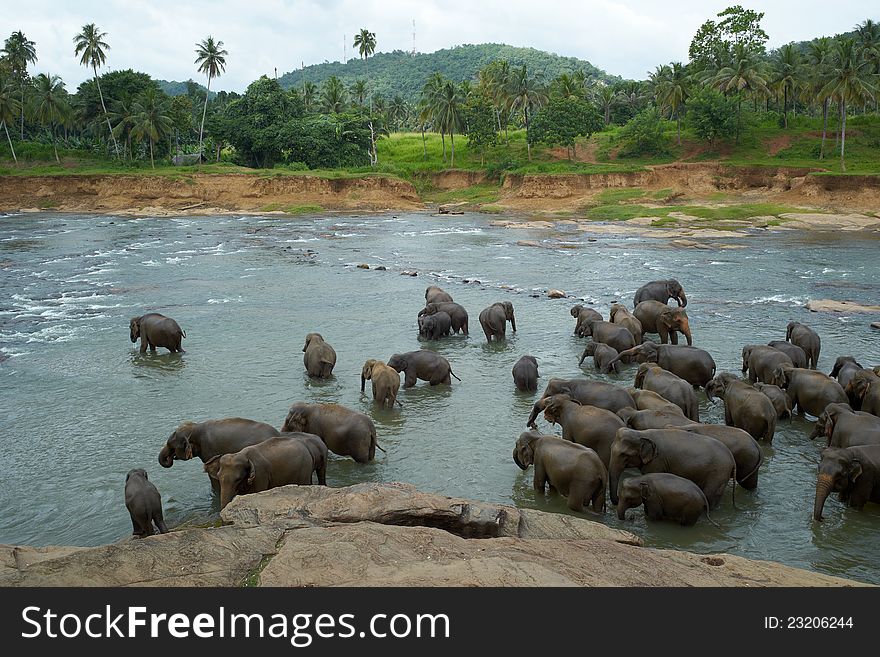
[
  {"x": 622, "y": 508},
  {"x": 817, "y": 431},
  {"x": 614, "y": 471},
  {"x": 513, "y": 322},
  {"x": 166, "y": 458},
  {"x": 686, "y": 329},
  {"x": 823, "y": 489},
  {"x": 363, "y": 383},
  {"x": 537, "y": 408},
  {"x": 225, "y": 497}
]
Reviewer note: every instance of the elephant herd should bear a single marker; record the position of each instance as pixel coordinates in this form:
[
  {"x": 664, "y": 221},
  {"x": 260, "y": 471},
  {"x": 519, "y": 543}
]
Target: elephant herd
[{"x": 685, "y": 465}]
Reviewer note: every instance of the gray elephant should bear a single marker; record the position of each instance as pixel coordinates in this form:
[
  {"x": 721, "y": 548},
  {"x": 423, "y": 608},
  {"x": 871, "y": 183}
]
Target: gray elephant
[
  {"x": 798, "y": 356},
  {"x": 705, "y": 461},
  {"x": 385, "y": 381},
  {"x": 422, "y": 364},
  {"x": 808, "y": 390},
  {"x": 156, "y": 330},
  {"x": 805, "y": 338},
  {"x": 434, "y": 294},
  {"x": 760, "y": 361},
  {"x": 144, "y": 504},
  {"x": 614, "y": 335},
  {"x": 744, "y": 406},
  {"x": 747, "y": 453},
  {"x": 694, "y": 365},
  {"x": 279, "y": 461},
  {"x": 318, "y": 357},
  {"x": 777, "y": 397},
  {"x": 661, "y": 291},
  {"x": 604, "y": 357},
  {"x": 589, "y": 426},
  {"x": 665, "y": 496},
  {"x": 455, "y": 311},
  {"x": 574, "y": 471},
  {"x": 665, "y": 321},
  {"x": 864, "y": 392},
  {"x": 583, "y": 316},
  {"x": 845, "y": 368},
  {"x": 852, "y": 472},
  {"x": 525, "y": 374},
  {"x": 589, "y": 393},
  {"x": 436, "y": 326},
  {"x": 652, "y": 418},
  {"x": 845, "y": 427},
  {"x": 494, "y": 320},
  {"x": 649, "y": 400},
  {"x": 620, "y": 314},
  {"x": 344, "y": 431},
  {"x": 669, "y": 386}
]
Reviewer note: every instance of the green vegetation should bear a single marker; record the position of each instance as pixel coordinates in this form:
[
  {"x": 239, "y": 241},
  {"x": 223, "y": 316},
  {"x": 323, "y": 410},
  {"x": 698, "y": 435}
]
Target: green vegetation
[
  {"x": 295, "y": 210},
  {"x": 732, "y": 213}
]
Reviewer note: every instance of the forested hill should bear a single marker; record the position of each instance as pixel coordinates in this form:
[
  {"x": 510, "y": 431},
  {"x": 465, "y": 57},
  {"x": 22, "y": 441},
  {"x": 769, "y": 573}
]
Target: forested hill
[
  {"x": 175, "y": 88},
  {"x": 401, "y": 73}
]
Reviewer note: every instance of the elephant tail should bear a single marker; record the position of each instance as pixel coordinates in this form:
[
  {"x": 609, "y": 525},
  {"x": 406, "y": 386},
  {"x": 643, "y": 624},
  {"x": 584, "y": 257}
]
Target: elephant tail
[
  {"x": 771, "y": 429},
  {"x": 453, "y": 374},
  {"x": 708, "y": 517},
  {"x": 182, "y": 333},
  {"x": 374, "y": 444},
  {"x": 733, "y": 492},
  {"x": 755, "y": 469}
]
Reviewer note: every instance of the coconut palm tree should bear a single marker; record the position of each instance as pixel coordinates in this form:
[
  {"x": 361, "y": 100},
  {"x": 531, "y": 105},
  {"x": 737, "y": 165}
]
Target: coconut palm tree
[
  {"x": 50, "y": 106},
  {"x": 818, "y": 57},
  {"x": 850, "y": 80},
  {"x": 495, "y": 79},
  {"x": 527, "y": 96},
  {"x": 868, "y": 38},
  {"x": 333, "y": 95},
  {"x": 9, "y": 107},
  {"x": 447, "y": 110},
  {"x": 427, "y": 109},
  {"x": 743, "y": 73},
  {"x": 365, "y": 42},
  {"x": 397, "y": 112},
  {"x": 211, "y": 59},
  {"x": 359, "y": 91},
  {"x": 19, "y": 52},
  {"x": 788, "y": 71},
  {"x": 90, "y": 45},
  {"x": 309, "y": 95},
  {"x": 123, "y": 117},
  {"x": 671, "y": 84},
  {"x": 604, "y": 96},
  {"x": 151, "y": 120},
  {"x": 567, "y": 86}
]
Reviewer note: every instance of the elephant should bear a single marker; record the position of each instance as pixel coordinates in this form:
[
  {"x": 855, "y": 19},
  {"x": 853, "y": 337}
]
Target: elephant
[
  {"x": 747, "y": 453},
  {"x": 798, "y": 356},
  {"x": 853, "y": 472},
  {"x": 156, "y": 330},
  {"x": 648, "y": 400},
  {"x": 574, "y": 471},
  {"x": 344, "y": 431},
  {"x": 279, "y": 461},
  {"x": 422, "y": 364},
  {"x": 589, "y": 426},
  {"x": 845, "y": 427},
  {"x": 744, "y": 407},
  {"x": 661, "y": 291},
  {"x": 760, "y": 361},
  {"x": 805, "y": 338},
  {"x": 652, "y": 418},
  {"x": 385, "y": 381},
  {"x": 665, "y": 496},
  {"x": 434, "y": 294},
  {"x": 705, "y": 461},
  {"x": 213, "y": 438},
  {"x": 808, "y": 390},
  {"x": 845, "y": 367},
  {"x": 614, "y": 335},
  {"x": 604, "y": 357},
  {"x": 525, "y": 374},
  {"x": 319, "y": 358},
  {"x": 777, "y": 397},
  {"x": 455, "y": 311},
  {"x": 494, "y": 320},
  {"x": 620, "y": 314},
  {"x": 694, "y": 365},
  {"x": 144, "y": 504},
  {"x": 864, "y": 391},
  {"x": 436, "y": 326},
  {"x": 589, "y": 393},
  {"x": 670, "y": 387},
  {"x": 584, "y": 315},
  {"x": 664, "y": 320}
]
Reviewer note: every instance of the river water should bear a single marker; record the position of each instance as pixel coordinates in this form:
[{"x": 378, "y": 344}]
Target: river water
[{"x": 79, "y": 406}]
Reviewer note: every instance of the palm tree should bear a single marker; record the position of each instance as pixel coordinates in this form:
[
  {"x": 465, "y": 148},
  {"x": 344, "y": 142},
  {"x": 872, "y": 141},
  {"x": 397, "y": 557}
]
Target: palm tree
[
  {"x": 91, "y": 45},
  {"x": 818, "y": 58},
  {"x": 447, "y": 110},
  {"x": 19, "y": 52},
  {"x": 50, "y": 105},
  {"x": 365, "y": 42},
  {"x": 309, "y": 95},
  {"x": 333, "y": 95},
  {"x": 359, "y": 91},
  {"x": 868, "y": 36},
  {"x": 211, "y": 59},
  {"x": 671, "y": 89},
  {"x": 397, "y": 111},
  {"x": 850, "y": 80},
  {"x": 151, "y": 120},
  {"x": 604, "y": 96},
  {"x": 9, "y": 107},
  {"x": 527, "y": 96},
  {"x": 427, "y": 104},
  {"x": 495, "y": 80},
  {"x": 567, "y": 86},
  {"x": 123, "y": 117},
  {"x": 788, "y": 73},
  {"x": 744, "y": 72}
]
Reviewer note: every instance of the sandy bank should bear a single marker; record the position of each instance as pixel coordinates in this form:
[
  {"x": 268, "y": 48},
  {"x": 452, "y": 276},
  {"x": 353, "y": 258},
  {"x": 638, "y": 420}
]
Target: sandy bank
[{"x": 388, "y": 534}]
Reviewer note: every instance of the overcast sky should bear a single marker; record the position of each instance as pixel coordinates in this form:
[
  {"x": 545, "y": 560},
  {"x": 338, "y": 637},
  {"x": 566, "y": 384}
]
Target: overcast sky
[{"x": 623, "y": 37}]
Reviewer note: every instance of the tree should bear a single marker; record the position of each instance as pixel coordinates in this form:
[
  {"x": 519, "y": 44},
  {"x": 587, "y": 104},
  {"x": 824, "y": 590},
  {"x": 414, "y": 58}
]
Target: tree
[
  {"x": 50, "y": 104},
  {"x": 671, "y": 90},
  {"x": 713, "y": 44},
  {"x": 526, "y": 96},
  {"x": 365, "y": 42},
  {"x": 480, "y": 126},
  {"x": 19, "y": 52},
  {"x": 819, "y": 56},
  {"x": 563, "y": 120},
  {"x": 9, "y": 107},
  {"x": 427, "y": 108},
  {"x": 447, "y": 110},
  {"x": 643, "y": 135},
  {"x": 787, "y": 74},
  {"x": 567, "y": 86},
  {"x": 711, "y": 115},
  {"x": 359, "y": 91},
  {"x": 604, "y": 96},
  {"x": 151, "y": 120},
  {"x": 180, "y": 112},
  {"x": 211, "y": 59},
  {"x": 91, "y": 46},
  {"x": 309, "y": 95},
  {"x": 333, "y": 95},
  {"x": 745, "y": 72},
  {"x": 122, "y": 115}
]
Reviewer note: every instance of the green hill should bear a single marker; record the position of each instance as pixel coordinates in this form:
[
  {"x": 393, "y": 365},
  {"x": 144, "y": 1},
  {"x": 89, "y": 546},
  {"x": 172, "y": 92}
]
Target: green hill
[
  {"x": 176, "y": 88},
  {"x": 399, "y": 72}
]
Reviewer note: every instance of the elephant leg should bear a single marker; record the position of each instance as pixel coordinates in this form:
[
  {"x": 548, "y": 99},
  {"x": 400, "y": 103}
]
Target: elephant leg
[
  {"x": 464, "y": 327},
  {"x": 410, "y": 378},
  {"x": 540, "y": 477},
  {"x": 664, "y": 335},
  {"x": 728, "y": 416},
  {"x": 215, "y": 485},
  {"x": 160, "y": 522},
  {"x": 322, "y": 473},
  {"x": 135, "y": 527},
  {"x": 599, "y": 498},
  {"x": 578, "y": 494},
  {"x": 673, "y": 336},
  {"x": 143, "y": 345},
  {"x": 152, "y": 348},
  {"x": 488, "y": 334}
]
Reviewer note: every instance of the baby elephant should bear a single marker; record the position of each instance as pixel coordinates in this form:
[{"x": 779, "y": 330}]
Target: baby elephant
[
  {"x": 494, "y": 320},
  {"x": 665, "y": 496},
  {"x": 386, "y": 382},
  {"x": 423, "y": 364},
  {"x": 604, "y": 357},
  {"x": 319, "y": 358},
  {"x": 575, "y": 471},
  {"x": 143, "y": 503},
  {"x": 525, "y": 374},
  {"x": 436, "y": 326},
  {"x": 777, "y": 397},
  {"x": 156, "y": 330}
]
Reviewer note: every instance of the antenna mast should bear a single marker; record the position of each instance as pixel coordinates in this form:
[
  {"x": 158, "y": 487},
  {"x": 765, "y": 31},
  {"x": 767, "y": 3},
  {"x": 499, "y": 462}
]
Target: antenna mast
[
  {"x": 414, "y": 38},
  {"x": 344, "y": 49}
]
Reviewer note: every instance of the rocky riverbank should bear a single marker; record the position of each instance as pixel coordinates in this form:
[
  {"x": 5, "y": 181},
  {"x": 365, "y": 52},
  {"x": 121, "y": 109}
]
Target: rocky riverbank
[{"x": 388, "y": 535}]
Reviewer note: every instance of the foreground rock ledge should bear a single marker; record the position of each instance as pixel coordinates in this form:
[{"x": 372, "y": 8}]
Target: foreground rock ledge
[{"x": 388, "y": 535}]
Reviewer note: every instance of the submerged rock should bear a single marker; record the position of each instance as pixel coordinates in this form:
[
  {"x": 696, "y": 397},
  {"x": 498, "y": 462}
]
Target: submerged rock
[
  {"x": 830, "y": 305},
  {"x": 556, "y": 294},
  {"x": 363, "y": 265}
]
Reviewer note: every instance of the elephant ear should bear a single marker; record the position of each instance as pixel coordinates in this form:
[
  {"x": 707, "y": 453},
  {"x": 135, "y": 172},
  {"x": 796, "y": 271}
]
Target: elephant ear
[
  {"x": 855, "y": 470},
  {"x": 251, "y": 473},
  {"x": 188, "y": 449},
  {"x": 647, "y": 450},
  {"x": 829, "y": 424},
  {"x": 646, "y": 490},
  {"x": 212, "y": 467}
]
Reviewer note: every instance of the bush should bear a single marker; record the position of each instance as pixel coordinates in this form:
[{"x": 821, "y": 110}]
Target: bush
[
  {"x": 711, "y": 115},
  {"x": 643, "y": 135}
]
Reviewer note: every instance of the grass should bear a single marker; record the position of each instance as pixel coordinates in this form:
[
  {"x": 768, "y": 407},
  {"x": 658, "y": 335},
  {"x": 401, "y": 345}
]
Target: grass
[
  {"x": 295, "y": 210},
  {"x": 731, "y": 213}
]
